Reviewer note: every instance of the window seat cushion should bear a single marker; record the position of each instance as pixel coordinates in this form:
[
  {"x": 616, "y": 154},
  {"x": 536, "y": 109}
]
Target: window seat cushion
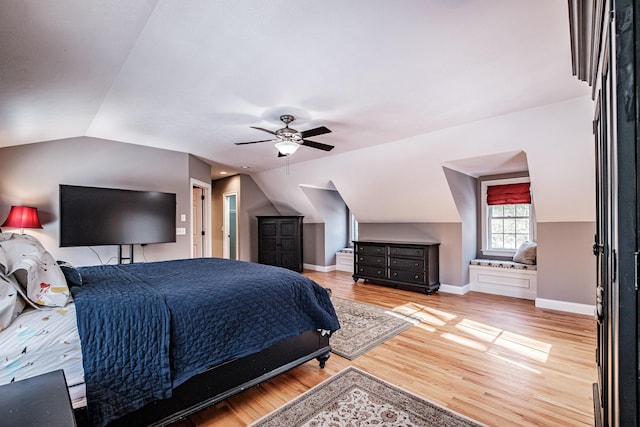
[{"x": 503, "y": 264}]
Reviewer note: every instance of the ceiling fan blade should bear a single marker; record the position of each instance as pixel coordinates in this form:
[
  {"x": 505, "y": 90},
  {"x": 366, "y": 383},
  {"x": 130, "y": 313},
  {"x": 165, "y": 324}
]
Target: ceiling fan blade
[
  {"x": 313, "y": 132},
  {"x": 254, "y": 142},
  {"x": 263, "y": 129},
  {"x": 317, "y": 145},
  {"x": 281, "y": 155}
]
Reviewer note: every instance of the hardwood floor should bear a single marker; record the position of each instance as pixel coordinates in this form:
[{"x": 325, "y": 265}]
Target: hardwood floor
[{"x": 498, "y": 360}]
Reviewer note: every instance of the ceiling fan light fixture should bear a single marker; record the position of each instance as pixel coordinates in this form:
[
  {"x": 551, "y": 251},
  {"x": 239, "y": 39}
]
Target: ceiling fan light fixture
[{"x": 287, "y": 147}]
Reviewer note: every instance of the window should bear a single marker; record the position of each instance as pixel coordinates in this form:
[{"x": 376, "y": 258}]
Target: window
[
  {"x": 352, "y": 225},
  {"x": 509, "y": 226},
  {"x": 507, "y": 216}
]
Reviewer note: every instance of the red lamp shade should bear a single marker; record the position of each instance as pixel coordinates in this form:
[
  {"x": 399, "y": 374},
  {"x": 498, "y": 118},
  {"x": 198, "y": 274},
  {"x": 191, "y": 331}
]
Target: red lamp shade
[{"x": 22, "y": 217}]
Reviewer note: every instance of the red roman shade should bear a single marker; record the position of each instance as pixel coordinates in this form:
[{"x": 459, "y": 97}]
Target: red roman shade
[{"x": 508, "y": 194}]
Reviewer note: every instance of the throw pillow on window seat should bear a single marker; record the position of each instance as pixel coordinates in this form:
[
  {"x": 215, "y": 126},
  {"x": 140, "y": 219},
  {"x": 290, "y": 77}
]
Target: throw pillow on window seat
[{"x": 526, "y": 253}]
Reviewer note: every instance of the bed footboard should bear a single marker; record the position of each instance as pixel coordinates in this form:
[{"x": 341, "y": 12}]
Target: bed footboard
[{"x": 223, "y": 381}]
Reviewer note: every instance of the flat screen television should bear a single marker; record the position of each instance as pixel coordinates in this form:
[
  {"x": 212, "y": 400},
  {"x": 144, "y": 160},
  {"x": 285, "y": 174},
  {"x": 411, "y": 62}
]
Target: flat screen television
[{"x": 94, "y": 216}]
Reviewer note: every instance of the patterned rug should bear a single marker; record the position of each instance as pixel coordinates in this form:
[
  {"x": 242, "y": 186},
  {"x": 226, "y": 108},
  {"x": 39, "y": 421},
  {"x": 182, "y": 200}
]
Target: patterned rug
[
  {"x": 354, "y": 398},
  {"x": 363, "y": 326}
]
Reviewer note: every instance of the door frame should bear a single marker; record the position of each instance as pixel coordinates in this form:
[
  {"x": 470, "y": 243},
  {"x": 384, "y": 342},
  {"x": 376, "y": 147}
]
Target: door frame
[
  {"x": 206, "y": 216},
  {"x": 225, "y": 225}
]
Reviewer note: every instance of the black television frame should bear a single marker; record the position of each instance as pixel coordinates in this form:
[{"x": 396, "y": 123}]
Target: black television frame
[{"x": 100, "y": 216}]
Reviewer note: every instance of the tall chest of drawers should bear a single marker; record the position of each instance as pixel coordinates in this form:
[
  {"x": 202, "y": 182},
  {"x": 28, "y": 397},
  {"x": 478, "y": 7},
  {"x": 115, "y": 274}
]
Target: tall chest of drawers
[{"x": 407, "y": 264}]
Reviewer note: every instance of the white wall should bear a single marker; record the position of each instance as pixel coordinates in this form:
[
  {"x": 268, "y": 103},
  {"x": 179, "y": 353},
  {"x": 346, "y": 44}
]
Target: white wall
[
  {"x": 399, "y": 190},
  {"x": 403, "y": 181}
]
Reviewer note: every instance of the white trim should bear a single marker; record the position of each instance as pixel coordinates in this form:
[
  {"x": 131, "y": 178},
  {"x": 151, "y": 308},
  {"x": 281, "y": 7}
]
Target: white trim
[
  {"x": 458, "y": 290},
  {"x": 510, "y": 282},
  {"x": 206, "y": 215},
  {"x": 508, "y": 253},
  {"x": 318, "y": 187},
  {"x": 344, "y": 261},
  {"x": 320, "y": 268},
  {"x": 571, "y": 307}
]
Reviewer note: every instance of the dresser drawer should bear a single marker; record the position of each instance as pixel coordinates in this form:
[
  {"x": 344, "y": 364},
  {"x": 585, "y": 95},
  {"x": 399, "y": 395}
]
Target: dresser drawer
[
  {"x": 372, "y": 271},
  {"x": 410, "y": 264},
  {"x": 371, "y": 260},
  {"x": 370, "y": 250},
  {"x": 406, "y": 251},
  {"x": 407, "y": 276}
]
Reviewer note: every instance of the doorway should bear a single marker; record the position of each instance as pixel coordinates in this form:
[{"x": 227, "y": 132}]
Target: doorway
[
  {"x": 200, "y": 219},
  {"x": 230, "y": 226}
]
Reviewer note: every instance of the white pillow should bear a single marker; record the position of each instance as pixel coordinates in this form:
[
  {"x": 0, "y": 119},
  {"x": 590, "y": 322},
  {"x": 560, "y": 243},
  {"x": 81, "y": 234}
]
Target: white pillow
[
  {"x": 11, "y": 303},
  {"x": 35, "y": 269},
  {"x": 526, "y": 253},
  {"x": 3, "y": 261}
]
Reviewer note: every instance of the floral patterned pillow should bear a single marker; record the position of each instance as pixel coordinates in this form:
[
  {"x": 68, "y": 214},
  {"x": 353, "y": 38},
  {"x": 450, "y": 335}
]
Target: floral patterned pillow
[{"x": 35, "y": 270}]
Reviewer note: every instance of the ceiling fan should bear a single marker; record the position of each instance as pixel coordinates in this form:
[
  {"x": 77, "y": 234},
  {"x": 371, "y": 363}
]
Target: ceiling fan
[{"x": 288, "y": 140}]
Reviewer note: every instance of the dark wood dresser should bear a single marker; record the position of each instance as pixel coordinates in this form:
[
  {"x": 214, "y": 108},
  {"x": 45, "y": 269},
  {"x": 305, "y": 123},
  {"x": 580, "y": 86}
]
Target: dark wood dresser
[
  {"x": 413, "y": 265},
  {"x": 280, "y": 241}
]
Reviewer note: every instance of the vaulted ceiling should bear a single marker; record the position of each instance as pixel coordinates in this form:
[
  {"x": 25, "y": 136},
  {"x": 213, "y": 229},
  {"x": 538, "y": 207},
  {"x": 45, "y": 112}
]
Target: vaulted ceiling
[{"x": 194, "y": 75}]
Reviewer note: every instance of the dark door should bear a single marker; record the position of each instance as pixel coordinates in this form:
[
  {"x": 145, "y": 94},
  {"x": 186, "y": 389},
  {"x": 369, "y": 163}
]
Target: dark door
[
  {"x": 290, "y": 244},
  {"x": 280, "y": 242},
  {"x": 603, "y": 249},
  {"x": 617, "y": 220},
  {"x": 624, "y": 185}
]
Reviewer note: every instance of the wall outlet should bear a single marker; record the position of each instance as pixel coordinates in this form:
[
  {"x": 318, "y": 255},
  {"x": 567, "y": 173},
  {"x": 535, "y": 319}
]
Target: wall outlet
[
  {"x": 183, "y": 217},
  {"x": 181, "y": 231}
]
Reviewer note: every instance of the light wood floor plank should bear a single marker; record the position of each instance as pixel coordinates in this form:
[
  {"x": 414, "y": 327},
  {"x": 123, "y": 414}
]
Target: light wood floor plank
[{"x": 499, "y": 360}]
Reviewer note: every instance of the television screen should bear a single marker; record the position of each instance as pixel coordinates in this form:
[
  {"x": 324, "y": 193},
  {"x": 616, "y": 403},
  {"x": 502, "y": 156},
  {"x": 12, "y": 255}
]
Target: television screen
[{"x": 93, "y": 216}]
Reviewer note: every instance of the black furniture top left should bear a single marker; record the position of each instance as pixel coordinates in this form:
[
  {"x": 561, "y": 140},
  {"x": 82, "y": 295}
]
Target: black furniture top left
[{"x": 38, "y": 401}]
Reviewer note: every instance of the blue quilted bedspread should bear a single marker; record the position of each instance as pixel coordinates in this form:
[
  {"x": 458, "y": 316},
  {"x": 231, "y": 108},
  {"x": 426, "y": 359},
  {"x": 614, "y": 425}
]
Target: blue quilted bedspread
[{"x": 146, "y": 328}]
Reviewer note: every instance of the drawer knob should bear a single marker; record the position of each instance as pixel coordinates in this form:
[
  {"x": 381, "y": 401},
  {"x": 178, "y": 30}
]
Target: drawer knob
[
  {"x": 395, "y": 274},
  {"x": 416, "y": 276}
]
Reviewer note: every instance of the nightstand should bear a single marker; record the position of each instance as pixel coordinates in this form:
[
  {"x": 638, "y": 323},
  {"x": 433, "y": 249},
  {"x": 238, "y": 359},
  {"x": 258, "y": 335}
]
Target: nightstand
[{"x": 38, "y": 401}]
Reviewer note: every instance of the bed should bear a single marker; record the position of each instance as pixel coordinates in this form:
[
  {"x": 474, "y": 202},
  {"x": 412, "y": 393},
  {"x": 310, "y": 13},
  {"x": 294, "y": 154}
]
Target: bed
[{"x": 155, "y": 342}]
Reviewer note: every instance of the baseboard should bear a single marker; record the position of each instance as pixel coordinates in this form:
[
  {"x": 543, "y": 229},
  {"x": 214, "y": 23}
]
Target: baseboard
[
  {"x": 570, "y": 307},
  {"x": 320, "y": 268},
  {"x": 458, "y": 290}
]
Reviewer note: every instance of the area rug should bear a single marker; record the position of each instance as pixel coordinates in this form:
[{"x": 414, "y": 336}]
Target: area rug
[
  {"x": 355, "y": 398},
  {"x": 363, "y": 326}
]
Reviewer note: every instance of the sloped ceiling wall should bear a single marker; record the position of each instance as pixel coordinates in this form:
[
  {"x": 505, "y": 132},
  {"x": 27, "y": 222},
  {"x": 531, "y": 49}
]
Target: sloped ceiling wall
[
  {"x": 403, "y": 181},
  {"x": 193, "y": 76},
  {"x": 405, "y": 90}
]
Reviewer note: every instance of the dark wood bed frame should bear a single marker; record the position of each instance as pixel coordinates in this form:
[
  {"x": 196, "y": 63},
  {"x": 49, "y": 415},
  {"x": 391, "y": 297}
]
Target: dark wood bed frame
[{"x": 225, "y": 380}]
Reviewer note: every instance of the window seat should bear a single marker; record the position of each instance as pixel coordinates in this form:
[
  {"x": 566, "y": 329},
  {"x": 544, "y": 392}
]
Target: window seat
[
  {"x": 503, "y": 264},
  {"x": 499, "y": 277}
]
